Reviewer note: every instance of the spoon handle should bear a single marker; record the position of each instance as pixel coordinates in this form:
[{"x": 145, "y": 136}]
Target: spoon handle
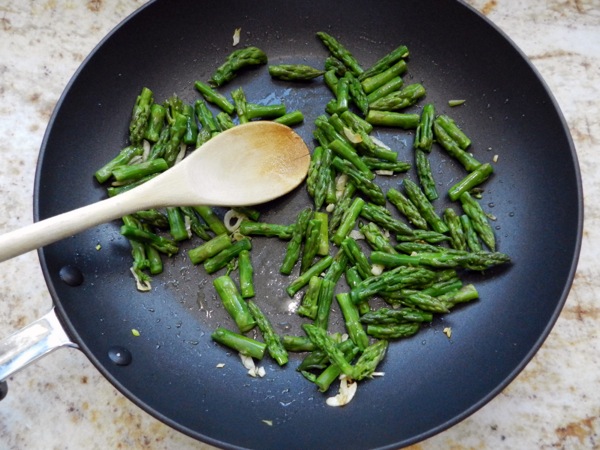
[{"x": 67, "y": 224}]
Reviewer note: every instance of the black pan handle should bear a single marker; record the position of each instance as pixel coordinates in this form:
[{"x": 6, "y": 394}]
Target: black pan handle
[{"x": 31, "y": 343}]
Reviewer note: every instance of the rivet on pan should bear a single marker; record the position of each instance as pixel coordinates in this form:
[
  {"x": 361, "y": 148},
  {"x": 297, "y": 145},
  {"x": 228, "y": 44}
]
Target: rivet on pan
[
  {"x": 71, "y": 275},
  {"x": 119, "y": 355}
]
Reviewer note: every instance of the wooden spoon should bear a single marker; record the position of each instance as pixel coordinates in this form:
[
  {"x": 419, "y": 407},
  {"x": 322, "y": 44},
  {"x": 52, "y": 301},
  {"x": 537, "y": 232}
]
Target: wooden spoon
[{"x": 246, "y": 165}]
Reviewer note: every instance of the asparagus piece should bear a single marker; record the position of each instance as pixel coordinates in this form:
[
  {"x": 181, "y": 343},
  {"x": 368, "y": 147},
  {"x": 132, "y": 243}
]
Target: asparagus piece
[
  {"x": 256, "y": 111},
  {"x": 210, "y": 248},
  {"x": 369, "y": 360},
  {"x": 221, "y": 259},
  {"x": 407, "y": 96},
  {"x": 473, "y": 179},
  {"x": 396, "y": 331},
  {"x": 453, "y": 131},
  {"x": 357, "y": 94},
  {"x": 425, "y": 175},
  {"x": 324, "y": 302},
  {"x": 337, "y": 267},
  {"x": 328, "y": 345},
  {"x": 424, "y": 134},
  {"x": 297, "y": 343},
  {"x": 246, "y": 272},
  {"x": 156, "y": 122},
  {"x": 312, "y": 177},
  {"x": 140, "y": 115},
  {"x": 393, "y": 85},
  {"x": 122, "y": 159},
  {"x": 235, "y": 62},
  {"x": 234, "y": 304},
  {"x": 418, "y": 198},
  {"x": 376, "y": 81},
  {"x": 357, "y": 258},
  {"x": 224, "y": 121},
  {"x": 213, "y": 221},
  {"x": 352, "y": 321},
  {"x": 152, "y": 217},
  {"x": 387, "y": 316},
  {"x": 334, "y": 64},
  {"x": 469, "y": 162},
  {"x": 342, "y": 205},
  {"x": 241, "y": 104},
  {"x": 355, "y": 122},
  {"x": 294, "y": 72},
  {"x": 362, "y": 182},
  {"x": 160, "y": 243},
  {"x": 345, "y": 151},
  {"x": 311, "y": 244},
  {"x": 470, "y": 234},
  {"x": 479, "y": 220},
  {"x": 348, "y": 221},
  {"x": 240, "y": 343},
  {"x": 443, "y": 259},
  {"x": 332, "y": 372},
  {"x": 197, "y": 227},
  {"x": 272, "y": 340},
  {"x": 177, "y": 227},
  {"x": 399, "y": 53},
  {"x": 116, "y": 190},
  {"x": 291, "y": 118},
  {"x": 206, "y": 118},
  {"x": 342, "y": 94},
  {"x": 323, "y": 248},
  {"x": 376, "y": 239},
  {"x": 214, "y": 97},
  {"x": 303, "y": 279},
  {"x": 393, "y": 119},
  {"x": 309, "y": 305},
  {"x": 458, "y": 238},
  {"x": 139, "y": 256},
  {"x": 379, "y": 164},
  {"x": 293, "y": 248},
  {"x": 340, "y": 52},
  {"x": 251, "y": 228},
  {"x": 407, "y": 208},
  {"x": 190, "y": 137}
]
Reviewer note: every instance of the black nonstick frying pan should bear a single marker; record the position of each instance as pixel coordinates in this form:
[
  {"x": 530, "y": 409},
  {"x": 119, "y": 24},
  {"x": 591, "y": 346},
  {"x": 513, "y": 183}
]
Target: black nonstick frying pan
[{"x": 431, "y": 382}]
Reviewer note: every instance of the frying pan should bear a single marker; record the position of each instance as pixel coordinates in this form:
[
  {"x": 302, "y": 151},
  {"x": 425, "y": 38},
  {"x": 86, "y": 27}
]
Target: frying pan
[{"x": 431, "y": 382}]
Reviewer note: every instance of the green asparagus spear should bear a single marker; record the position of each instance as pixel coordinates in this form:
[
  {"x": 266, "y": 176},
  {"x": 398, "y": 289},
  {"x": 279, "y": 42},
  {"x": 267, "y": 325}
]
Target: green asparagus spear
[
  {"x": 206, "y": 117},
  {"x": 393, "y": 85},
  {"x": 468, "y": 161},
  {"x": 355, "y": 122},
  {"x": 251, "y": 228},
  {"x": 388, "y": 316},
  {"x": 140, "y": 116},
  {"x": 393, "y": 119},
  {"x": 334, "y": 64},
  {"x": 122, "y": 159},
  {"x": 160, "y": 243},
  {"x": 357, "y": 258},
  {"x": 316, "y": 160},
  {"x": 156, "y": 122},
  {"x": 376, "y": 239},
  {"x": 470, "y": 234},
  {"x": 311, "y": 244},
  {"x": 395, "y": 331},
  {"x": 425, "y": 175},
  {"x": 326, "y": 343},
  {"x": 479, "y": 220},
  {"x": 340, "y": 52},
  {"x": 241, "y": 104},
  {"x": 323, "y": 248},
  {"x": 473, "y": 179},
  {"x": 407, "y": 208},
  {"x": 177, "y": 227},
  {"x": 297, "y": 343},
  {"x": 291, "y": 118},
  {"x": 303, "y": 279},
  {"x": 210, "y": 248},
  {"x": 213, "y": 221},
  {"x": 357, "y": 94},
  {"x": 221, "y": 259},
  {"x": 240, "y": 343},
  {"x": 309, "y": 304},
  {"x": 442, "y": 259},
  {"x": 376, "y": 81},
  {"x": 352, "y": 321},
  {"x": 294, "y": 72},
  {"x": 363, "y": 183},
  {"x": 214, "y": 97},
  {"x": 152, "y": 217},
  {"x": 332, "y": 372},
  {"x": 294, "y": 246},
  {"x": 407, "y": 96},
  {"x": 256, "y": 111},
  {"x": 196, "y": 226},
  {"x": 386, "y": 62},
  {"x": 418, "y": 198},
  {"x": 369, "y": 360},
  {"x": 453, "y": 131},
  {"x": 236, "y": 61},
  {"x": 458, "y": 238},
  {"x": 246, "y": 272},
  {"x": 424, "y": 134},
  {"x": 234, "y": 304},
  {"x": 272, "y": 340},
  {"x": 348, "y": 221},
  {"x": 324, "y": 302}
]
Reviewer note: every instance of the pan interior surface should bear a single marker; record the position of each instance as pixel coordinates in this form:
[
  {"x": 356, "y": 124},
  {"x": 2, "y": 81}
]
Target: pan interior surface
[{"x": 431, "y": 382}]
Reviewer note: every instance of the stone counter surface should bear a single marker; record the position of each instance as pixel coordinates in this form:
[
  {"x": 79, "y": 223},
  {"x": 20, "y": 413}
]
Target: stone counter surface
[{"x": 62, "y": 402}]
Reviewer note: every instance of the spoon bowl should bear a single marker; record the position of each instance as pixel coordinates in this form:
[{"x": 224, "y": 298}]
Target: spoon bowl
[{"x": 246, "y": 165}]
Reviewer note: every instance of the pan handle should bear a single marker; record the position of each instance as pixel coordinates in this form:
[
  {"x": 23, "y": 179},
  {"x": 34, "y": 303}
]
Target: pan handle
[{"x": 31, "y": 343}]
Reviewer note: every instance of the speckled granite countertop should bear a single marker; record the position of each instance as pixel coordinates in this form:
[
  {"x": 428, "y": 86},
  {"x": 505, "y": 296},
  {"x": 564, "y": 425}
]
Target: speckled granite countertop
[{"x": 62, "y": 402}]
